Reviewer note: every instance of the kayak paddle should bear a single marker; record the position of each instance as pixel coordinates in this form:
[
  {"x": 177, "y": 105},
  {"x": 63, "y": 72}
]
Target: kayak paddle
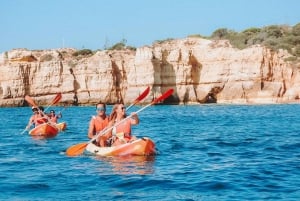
[
  {"x": 31, "y": 102},
  {"x": 78, "y": 149},
  {"x": 141, "y": 97},
  {"x": 55, "y": 100}
]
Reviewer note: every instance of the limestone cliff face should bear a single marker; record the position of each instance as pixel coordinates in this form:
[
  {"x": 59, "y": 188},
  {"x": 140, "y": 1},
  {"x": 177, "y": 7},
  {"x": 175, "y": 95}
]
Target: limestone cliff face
[{"x": 199, "y": 71}]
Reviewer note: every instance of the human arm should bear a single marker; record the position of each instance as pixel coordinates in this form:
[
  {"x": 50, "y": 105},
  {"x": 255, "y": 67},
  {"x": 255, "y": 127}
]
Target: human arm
[
  {"x": 134, "y": 118},
  {"x": 91, "y": 128},
  {"x": 30, "y": 122}
]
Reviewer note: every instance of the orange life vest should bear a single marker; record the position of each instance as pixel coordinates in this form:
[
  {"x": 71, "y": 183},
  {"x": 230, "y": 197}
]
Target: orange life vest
[
  {"x": 99, "y": 125},
  {"x": 37, "y": 119},
  {"x": 42, "y": 120}
]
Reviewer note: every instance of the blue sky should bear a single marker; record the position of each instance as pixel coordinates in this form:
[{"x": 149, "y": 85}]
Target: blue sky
[{"x": 92, "y": 24}]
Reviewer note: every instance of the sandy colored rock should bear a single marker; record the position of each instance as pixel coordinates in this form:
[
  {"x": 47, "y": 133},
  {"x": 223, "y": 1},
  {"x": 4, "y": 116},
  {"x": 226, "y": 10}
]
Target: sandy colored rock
[{"x": 199, "y": 71}]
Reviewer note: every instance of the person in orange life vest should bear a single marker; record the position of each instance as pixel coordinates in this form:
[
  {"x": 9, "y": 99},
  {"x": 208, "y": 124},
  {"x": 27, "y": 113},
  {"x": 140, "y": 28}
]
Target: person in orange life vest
[
  {"x": 36, "y": 118},
  {"x": 53, "y": 117},
  {"x": 121, "y": 133},
  {"x": 98, "y": 123}
]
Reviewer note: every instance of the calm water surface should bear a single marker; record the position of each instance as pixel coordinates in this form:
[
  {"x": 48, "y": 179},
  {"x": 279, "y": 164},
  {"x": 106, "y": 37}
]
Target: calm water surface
[{"x": 206, "y": 152}]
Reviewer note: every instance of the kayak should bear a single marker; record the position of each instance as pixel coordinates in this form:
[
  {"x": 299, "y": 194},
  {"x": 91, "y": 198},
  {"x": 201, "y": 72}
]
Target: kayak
[
  {"x": 46, "y": 130},
  {"x": 140, "y": 147},
  {"x": 61, "y": 126}
]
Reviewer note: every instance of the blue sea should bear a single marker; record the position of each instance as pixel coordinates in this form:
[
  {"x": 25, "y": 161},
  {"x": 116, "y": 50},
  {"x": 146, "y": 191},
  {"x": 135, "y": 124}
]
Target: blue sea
[{"x": 205, "y": 152}]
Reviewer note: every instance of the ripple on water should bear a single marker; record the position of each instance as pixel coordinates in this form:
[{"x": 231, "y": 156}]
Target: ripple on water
[{"x": 207, "y": 152}]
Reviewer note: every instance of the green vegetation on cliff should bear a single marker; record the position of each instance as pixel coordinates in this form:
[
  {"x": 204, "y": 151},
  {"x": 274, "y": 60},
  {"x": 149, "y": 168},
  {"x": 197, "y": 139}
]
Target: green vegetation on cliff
[{"x": 274, "y": 37}]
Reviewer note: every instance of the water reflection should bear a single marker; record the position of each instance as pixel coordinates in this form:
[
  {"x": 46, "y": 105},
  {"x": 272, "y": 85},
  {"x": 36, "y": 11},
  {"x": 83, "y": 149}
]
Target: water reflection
[
  {"x": 128, "y": 165},
  {"x": 41, "y": 137},
  {"x": 38, "y": 137}
]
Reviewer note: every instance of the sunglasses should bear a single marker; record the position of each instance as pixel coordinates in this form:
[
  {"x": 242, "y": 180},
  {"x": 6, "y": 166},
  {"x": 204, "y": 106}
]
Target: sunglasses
[{"x": 100, "y": 109}]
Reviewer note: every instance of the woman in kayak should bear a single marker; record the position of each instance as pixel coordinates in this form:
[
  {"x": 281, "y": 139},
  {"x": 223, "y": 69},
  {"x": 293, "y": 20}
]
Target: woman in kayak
[
  {"x": 53, "y": 117},
  {"x": 98, "y": 123},
  {"x": 121, "y": 132}
]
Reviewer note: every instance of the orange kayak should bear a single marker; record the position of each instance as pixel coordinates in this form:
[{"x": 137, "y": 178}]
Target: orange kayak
[
  {"x": 46, "y": 130},
  {"x": 141, "y": 147},
  {"x": 61, "y": 126}
]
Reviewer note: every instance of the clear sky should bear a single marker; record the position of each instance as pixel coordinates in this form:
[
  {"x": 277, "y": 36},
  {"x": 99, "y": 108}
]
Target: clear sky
[{"x": 92, "y": 24}]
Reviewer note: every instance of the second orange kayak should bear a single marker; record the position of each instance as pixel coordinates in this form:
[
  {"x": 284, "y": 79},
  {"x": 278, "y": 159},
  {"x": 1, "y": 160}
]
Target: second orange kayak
[
  {"x": 61, "y": 126},
  {"x": 46, "y": 130}
]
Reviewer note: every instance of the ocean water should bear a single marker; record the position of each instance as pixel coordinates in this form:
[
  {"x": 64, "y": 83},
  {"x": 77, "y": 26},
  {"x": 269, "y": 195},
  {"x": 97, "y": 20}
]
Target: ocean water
[{"x": 205, "y": 152}]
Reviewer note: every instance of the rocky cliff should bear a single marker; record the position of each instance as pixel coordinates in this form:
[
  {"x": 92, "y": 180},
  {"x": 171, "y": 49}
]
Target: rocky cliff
[{"x": 199, "y": 71}]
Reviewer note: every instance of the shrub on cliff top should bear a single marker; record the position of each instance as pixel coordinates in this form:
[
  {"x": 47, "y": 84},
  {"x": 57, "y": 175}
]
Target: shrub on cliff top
[
  {"x": 274, "y": 37},
  {"x": 162, "y": 41},
  {"x": 121, "y": 46},
  {"x": 118, "y": 46},
  {"x": 83, "y": 52}
]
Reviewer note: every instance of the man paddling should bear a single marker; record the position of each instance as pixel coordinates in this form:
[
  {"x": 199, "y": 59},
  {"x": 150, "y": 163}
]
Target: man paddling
[
  {"x": 37, "y": 117},
  {"x": 98, "y": 123}
]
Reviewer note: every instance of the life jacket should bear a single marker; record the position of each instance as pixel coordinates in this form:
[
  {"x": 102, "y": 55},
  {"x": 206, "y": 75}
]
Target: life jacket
[
  {"x": 37, "y": 119},
  {"x": 99, "y": 125}
]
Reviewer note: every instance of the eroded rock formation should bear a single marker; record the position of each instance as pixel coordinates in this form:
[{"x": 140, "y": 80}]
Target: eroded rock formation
[{"x": 199, "y": 71}]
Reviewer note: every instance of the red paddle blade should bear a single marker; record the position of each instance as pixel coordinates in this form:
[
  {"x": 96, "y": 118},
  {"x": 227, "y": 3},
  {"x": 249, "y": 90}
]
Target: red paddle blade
[
  {"x": 143, "y": 95},
  {"x": 56, "y": 99},
  {"x": 164, "y": 96},
  {"x": 30, "y": 101}
]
